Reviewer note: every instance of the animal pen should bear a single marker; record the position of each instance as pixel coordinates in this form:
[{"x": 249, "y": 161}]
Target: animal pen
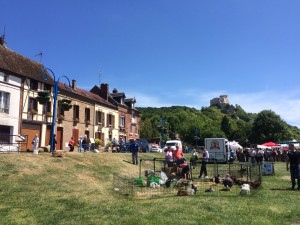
[{"x": 157, "y": 179}]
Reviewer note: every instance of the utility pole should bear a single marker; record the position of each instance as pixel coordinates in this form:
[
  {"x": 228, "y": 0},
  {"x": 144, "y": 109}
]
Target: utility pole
[
  {"x": 196, "y": 137},
  {"x": 163, "y": 120}
]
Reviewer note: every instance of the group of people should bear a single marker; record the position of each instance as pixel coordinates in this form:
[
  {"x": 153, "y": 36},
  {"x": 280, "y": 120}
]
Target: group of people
[
  {"x": 84, "y": 142},
  {"x": 258, "y": 155},
  {"x": 176, "y": 157}
]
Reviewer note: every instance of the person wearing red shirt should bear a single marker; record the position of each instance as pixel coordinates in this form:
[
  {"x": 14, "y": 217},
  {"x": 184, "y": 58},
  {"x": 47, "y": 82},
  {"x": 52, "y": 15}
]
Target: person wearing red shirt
[
  {"x": 71, "y": 144},
  {"x": 178, "y": 155}
]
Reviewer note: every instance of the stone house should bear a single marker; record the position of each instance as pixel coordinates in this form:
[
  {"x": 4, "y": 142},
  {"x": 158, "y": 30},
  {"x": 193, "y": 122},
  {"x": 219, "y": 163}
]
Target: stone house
[
  {"x": 128, "y": 115},
  {"x": 21, "y": 114}
]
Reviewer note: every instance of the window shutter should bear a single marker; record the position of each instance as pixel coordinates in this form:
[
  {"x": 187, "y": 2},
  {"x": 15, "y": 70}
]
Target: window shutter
[
  {"x": 107, "y": 120},
  {"x": 102, "y": 119}
]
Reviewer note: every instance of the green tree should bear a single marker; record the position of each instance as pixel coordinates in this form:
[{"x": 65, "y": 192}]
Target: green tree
[
  {"x": 246, "y": 128},
  {"x": 226, "y": 126},
  {"x": 268, "y": 127},
  {"x": 146, "y": 129}
]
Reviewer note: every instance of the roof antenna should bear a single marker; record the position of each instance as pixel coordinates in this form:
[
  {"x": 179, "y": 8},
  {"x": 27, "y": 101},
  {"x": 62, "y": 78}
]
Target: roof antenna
[
  {"x": 40, "y": 55},
  {"x": 2, "y": 38}
]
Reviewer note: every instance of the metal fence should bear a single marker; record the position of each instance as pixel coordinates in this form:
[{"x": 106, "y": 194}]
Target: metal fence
[
  {"x": 12, "y": 143},
  {"x": 151, "y": 171}
]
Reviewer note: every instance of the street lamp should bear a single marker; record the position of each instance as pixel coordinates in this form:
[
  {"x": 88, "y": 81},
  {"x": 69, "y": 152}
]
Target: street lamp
[
  {"x": 55, "y": 93},
  {"x": 163, "y": 120},
  {"x": 196, "y": 137}
]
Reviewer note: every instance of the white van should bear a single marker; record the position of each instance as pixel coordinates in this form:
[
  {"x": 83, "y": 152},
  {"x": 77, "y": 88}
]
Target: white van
[
  {"x": 217, "y": 149},
  {"x": 173, "y": 144}
]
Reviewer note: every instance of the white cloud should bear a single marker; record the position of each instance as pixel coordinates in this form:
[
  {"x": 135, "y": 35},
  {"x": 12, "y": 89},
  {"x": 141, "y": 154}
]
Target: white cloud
[
  {"x": 282, "y": 103},
  {"x": 149, "y": 100}
]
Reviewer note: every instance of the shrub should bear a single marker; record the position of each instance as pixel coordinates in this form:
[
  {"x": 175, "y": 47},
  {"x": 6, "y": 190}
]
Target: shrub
[{"x": 97, "y": 142}]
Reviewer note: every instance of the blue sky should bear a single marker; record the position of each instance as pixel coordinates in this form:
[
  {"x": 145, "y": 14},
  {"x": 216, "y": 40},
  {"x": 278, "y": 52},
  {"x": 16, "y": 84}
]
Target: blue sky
[{"x": 168, "y": 52}]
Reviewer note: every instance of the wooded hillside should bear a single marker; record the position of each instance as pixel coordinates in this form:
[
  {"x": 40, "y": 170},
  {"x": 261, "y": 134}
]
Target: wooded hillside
[{"x": 232, "y": 123}]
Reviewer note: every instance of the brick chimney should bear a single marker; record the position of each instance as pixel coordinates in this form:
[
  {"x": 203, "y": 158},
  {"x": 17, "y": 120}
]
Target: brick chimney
[
  {"x": 104, "y": 91},
  {"x": 2, "y": 41},
  {"x": 74, "y": 84}
]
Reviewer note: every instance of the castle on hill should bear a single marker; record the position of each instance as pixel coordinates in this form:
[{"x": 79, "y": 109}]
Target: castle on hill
[{"x": 221, "y": 101}]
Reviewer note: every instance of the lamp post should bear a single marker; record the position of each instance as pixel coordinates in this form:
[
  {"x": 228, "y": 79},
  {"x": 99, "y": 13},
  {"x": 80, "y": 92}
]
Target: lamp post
[
  {"x": 163, "y": 120},
  {"x": 55, "y": 93},
  {"x": 196, "y": 137}
]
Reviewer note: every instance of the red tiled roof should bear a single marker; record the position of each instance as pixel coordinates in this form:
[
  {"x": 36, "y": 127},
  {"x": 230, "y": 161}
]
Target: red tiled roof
[
  {"x": 20, "y": 65},
  {"x": 86, "y": 94}
]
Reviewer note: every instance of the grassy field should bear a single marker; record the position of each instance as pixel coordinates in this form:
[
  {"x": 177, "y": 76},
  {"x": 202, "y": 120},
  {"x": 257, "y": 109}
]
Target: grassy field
[{"x": 77, "y": 189}]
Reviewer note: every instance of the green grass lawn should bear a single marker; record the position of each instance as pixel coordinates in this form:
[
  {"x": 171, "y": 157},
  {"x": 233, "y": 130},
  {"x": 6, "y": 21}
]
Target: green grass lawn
[{"x": 78, "y": 189}]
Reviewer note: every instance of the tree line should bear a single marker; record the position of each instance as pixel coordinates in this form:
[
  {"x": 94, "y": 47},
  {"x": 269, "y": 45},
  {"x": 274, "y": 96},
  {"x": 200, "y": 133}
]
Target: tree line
[{"x": 192, "y": 125}]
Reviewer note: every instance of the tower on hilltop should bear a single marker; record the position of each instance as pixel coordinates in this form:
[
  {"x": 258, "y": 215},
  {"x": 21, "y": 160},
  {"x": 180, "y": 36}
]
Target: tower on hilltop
[{"x": 222, "y": 101}]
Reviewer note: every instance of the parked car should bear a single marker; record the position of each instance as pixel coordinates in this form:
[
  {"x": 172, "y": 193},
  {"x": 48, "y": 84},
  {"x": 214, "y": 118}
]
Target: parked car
[
  {"x": 172, "y": 144},
  {"x": 156, "y": 148},
  {"x": 125, "y": 147},
  {"x": 143, "y": 143}
]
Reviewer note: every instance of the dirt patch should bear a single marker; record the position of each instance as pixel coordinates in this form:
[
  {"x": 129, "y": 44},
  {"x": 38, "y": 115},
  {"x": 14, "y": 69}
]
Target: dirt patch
[{"x": 286, "y": 178}]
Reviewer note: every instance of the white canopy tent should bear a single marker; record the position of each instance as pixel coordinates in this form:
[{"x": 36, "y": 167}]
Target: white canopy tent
[
  {"x": 263, "y": 147},
  {"x": 234, "y": 145}
]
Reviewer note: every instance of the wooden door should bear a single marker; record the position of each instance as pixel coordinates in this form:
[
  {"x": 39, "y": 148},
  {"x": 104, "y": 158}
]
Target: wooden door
[
  {"x": 30, "y": 130},
  {"x": 48, "y": 134},
  {"x": 76, "y": 135},
  {"x": 59, "y": 138}
]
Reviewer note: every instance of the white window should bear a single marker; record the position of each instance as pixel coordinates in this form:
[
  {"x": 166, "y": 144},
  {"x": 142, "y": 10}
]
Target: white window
[
  {"x": 122, "y": 121},
  {"x": 4, "y": 102}
]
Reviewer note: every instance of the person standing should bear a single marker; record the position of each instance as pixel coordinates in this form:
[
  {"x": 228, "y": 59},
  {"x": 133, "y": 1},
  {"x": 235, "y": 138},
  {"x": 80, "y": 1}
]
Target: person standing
[
  {"x": 122, "y": 143},
  {"x": 231, "y": 155},
  {"x": 205, "y": 157},
  {"x": 259, "y": 156},
  {"x": 35, "y": 144},
  {"x": 186, "y": 149},
  {"x": 194, "y": 158},
  {"x": 114, "y": 142},
  {"x": 178, "y": 155},
  {"x": 293, "y": 164},
  {"x": 134, "y": 148},
  {"x": 169, "y": 156},
  {"x": 253, "y": 156},
  {"x": 85, "y": 143},
  {"x": 71, "y": 144},
  {"x": 247, "y": 154}
]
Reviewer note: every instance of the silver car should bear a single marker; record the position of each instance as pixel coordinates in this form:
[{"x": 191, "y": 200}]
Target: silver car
[{"x": 156, "y": 148}]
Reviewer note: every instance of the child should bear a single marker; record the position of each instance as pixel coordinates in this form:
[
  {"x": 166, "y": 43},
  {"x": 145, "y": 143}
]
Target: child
[
  {"x": 194, "y": 158},
  {"x": 169, "y": 157}
]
